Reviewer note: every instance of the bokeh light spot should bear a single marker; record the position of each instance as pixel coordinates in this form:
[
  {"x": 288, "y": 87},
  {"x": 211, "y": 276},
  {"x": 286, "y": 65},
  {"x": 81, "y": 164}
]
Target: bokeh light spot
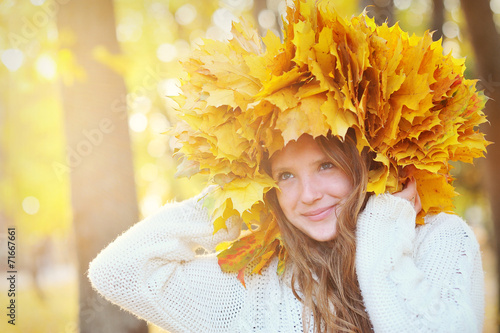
[
  {"x": 451, "y": 5},
  {"x": 149, "y": 172},
  {"x": 223, "y": 18},
  {"x": 185, "y": 14},
  {"x": 267, "y": 19},
  {"x": 150, "y": 204},
  {"x": 138, "y": 122},
  {"x": 46, "y": 66},
  {"x": 31, "y": 205},
  {"x": 450, "y": 29},
  {"x": 495, "y": 6},
  {"x": 166, "y": 52},
  {"x": 156, "y": 148},
  {"x": 130, "y": 27},
  {"x": 158, "y": 122},
  {"x": 216, "y": 33},
  {"x": 158, "y": 10},
  {"x": 402, "y": 4},
  {"x": 12, "y": 59},
  {"x": 142, "y": 104},
  {"x": 450, "y": 45},
  {"x": 170, "y": 87}
]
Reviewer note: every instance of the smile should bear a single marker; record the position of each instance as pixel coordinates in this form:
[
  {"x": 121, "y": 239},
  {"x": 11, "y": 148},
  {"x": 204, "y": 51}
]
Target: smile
[{"x": 319, "y": 214}]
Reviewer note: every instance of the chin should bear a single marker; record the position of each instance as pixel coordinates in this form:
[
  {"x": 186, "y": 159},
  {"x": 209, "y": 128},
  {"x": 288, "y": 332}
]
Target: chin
[{"x": 323, "y": 237}]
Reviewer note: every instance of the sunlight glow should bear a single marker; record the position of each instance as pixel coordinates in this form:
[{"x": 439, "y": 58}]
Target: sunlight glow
[
  {"x": 216, "y": 33},
  {"x": 31, "y": 205},
  {"x": 46, "y": 66},
  {"x": 150, "y": 204},
  {"x": 130, "y": 27},
  {"x": 415, "y": 19},
  {"x": 166, "y": 52},
  {"x": 223, "y": 18},
  {"x": 141, "y": 104},
  {"x": 158, "y": 122},
  {"x": 185, "y": 14},
  {"x": 149, "y": 172},
  {"x": 240, "y": 4},
  {"x": 183, "y": 48},
  {"x": 52, "y": 33},
  {"x": 451, "y": 5},
  {"x": 267, "y": 19},
  {"x": 495, "y": 6},
  {"x": 196, "y": 38},
  {"x": 12, "y": 59},
  {"x": 138, "y": 122},
  {"x": 450, "y": 45},
  {"x": 156, "y": 148},
  {"x": 451, "y": 29},
  {"x": 6, "y": 4},
  {"x": 170, "y": 87},
  {"x": 402, "y": 4},
  {"x": 421, "y": 7},
  {"x": 158, "y": 10}
]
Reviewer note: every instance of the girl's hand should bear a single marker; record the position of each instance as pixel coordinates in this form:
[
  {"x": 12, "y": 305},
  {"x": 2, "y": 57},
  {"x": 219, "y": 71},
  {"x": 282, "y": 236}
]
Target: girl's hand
[{"x": 410, "y": 193}]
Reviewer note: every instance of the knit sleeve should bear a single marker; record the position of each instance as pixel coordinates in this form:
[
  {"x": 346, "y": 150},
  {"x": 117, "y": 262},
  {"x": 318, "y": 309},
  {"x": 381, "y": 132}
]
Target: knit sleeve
[
  {"x": 152, "y": 271},
  {"x": 418, "y": 279}
]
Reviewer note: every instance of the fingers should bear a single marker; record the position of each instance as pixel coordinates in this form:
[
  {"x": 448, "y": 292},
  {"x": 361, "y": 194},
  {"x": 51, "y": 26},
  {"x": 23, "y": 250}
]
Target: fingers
[
  {"x": 411, "y": 185},
  {"x": 410, "y": 193},
  {"x": 418, "y": 204}
]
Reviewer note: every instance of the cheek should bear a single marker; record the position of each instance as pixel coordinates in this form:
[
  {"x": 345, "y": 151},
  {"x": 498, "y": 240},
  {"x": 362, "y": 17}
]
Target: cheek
[
  {"x": 347, "y": 186},
  {"x": 340, "y": 185},
  {"x": 286, "y": 201}
]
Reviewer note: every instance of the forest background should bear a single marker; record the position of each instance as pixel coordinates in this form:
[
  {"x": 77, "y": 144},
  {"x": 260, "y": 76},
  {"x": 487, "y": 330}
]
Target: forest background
[{"x": 84, "y": 103}]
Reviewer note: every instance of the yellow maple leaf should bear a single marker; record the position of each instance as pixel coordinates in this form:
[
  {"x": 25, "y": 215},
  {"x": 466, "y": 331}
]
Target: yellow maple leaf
[
  {"x": 242, "y": 194},
  {"x": 434, "y": 191},
  {"x": 244, "y": 99},
  {"x": 338, "y": 120}
]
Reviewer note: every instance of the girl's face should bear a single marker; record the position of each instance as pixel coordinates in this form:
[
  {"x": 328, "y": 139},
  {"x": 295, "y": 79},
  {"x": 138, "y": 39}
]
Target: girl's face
[{"x": 311, "y": 188}]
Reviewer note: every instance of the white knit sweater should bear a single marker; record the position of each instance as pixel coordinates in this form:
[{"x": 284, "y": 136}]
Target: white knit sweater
[{"x": 424, "y": 279}]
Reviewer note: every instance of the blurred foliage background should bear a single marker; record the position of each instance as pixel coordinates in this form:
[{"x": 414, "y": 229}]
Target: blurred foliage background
[{"x": 39, "y": 65}]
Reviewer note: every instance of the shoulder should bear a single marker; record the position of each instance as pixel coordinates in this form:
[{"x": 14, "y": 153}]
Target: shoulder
[
  {"x": 386, "y": 202},
  {"x": 385, "y": 215},
  {"x": 446, "y": 226},
  {"x": 192, "y": 208},
  {"x": 446, "y": 231}
]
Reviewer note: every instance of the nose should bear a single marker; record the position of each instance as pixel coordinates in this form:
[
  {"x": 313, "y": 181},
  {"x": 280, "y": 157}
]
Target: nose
[{"x": 311, "y": 190}]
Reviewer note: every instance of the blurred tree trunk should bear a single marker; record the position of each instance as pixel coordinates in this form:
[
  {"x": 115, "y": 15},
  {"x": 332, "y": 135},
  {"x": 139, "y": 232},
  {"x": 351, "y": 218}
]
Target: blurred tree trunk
[
  {"x": 437, "y": 19},
  {"x": 486, "y": 43},
  {"x": 381, "y": 10},
  {"x": 103, "y": 195}
]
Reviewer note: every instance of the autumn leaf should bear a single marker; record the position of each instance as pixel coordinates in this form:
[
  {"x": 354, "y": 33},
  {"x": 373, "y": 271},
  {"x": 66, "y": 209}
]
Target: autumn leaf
[
  {"x": 244, "y": 99},
  {"x": 261, "y": 245}
]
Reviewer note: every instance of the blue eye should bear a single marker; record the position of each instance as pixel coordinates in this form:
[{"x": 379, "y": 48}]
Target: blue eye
[
  {"x": 284, "y": 176},
  {"x": 326, "y": 165}
]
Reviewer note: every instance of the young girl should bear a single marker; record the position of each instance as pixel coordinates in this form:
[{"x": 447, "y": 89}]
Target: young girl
[
  {"x": 334, "y": 128},
  {"x": 424, "y": 279}
]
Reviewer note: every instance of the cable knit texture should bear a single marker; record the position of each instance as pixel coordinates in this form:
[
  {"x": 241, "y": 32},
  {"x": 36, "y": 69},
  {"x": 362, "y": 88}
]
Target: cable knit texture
[
  {"x": 418, "y": 279},
  {"x": 424, "y": 279}
]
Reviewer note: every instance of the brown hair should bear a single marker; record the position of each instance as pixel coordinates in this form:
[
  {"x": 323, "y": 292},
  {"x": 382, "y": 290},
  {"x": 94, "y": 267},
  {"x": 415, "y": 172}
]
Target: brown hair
[{"x": 324, "y": 272}]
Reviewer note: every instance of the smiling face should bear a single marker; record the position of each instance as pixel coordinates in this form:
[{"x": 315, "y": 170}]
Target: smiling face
[{"x": 311, "y": 188}]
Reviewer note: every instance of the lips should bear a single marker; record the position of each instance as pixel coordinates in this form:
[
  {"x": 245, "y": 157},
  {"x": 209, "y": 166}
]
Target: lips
[{"x": 319, "y": 214}]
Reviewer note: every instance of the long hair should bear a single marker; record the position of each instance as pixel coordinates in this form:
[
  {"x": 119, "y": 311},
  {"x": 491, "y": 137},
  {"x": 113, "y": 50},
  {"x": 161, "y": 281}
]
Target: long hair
[{"x": 323, "y": 273}]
